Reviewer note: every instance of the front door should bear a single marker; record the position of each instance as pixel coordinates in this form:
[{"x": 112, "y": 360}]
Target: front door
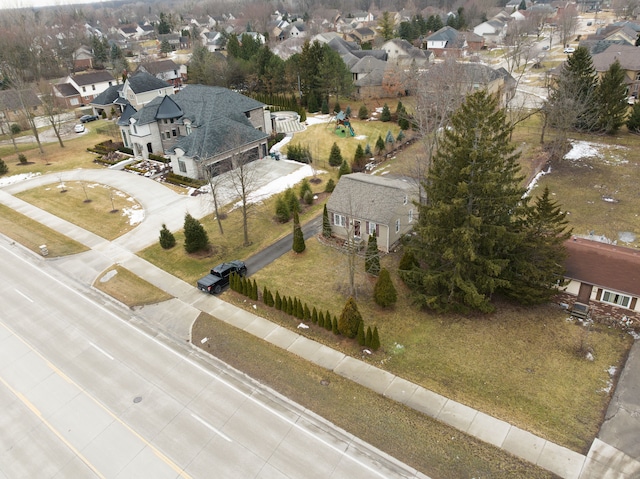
[{"x": 356, "y": 228}]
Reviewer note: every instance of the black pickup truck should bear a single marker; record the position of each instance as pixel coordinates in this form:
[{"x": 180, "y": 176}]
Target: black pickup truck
[{"x": 218, "y": 278}]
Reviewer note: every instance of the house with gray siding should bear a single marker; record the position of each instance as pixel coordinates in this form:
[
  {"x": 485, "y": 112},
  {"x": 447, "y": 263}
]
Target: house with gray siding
[{"x": 363, "y": 204}]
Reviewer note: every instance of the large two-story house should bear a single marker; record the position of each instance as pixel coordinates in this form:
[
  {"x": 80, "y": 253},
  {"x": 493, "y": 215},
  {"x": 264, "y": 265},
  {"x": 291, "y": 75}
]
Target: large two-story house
[
  {"x": 202, "y": 129},
  {"x": 83, "y": 88}
]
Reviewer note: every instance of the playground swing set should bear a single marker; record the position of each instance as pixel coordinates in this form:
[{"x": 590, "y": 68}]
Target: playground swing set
[{"x": 342, "y": 124}]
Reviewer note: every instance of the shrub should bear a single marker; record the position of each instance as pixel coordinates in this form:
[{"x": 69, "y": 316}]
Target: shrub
[
  {"x": 384, "y": 293},
  {"x": 15, "y": 128},
  {"x": 326, "y": 225},
  {"x": 368, "y": 337},
  {"x": 367, "y": 151},
  {"x": 4, "y": 169},
  {"x": 633, "y": 122},
  {"x": 363, "y": 113},
  {"x": 298, "y": 238},
  {"x": 359, "y": 160},
  {"x": 380, "y": 146},
  {"x": 328, "y": 322},
  {"x": 308, "y": 198},
  {"x": 183, "y": 180},
  {"x": 325, "y": 106},
  {"x": 278, "y": 302},
  {"x": 400, "y": 136},
  {"x": 337, "y": 108},
  {"x": 389, "y": 138},
  {"x": 22, "y": 159},
  {"x": 314, "y": 315},
  {"x": 299, "y": 153},
  {"x": 167, "y": 240},
  {"x": 306, "y": 313},
  {"x": 347, "y": 112},
  {"x": 195, "y": 237},
  {"x": 321, "y": 319},
  {"x": 375, "y": 339},
  {"x": 361, "y": 335},
  {"x": 335, "y": 157},
  {"x": 292, "y": 201},
  {"x": 350, "y": 319},
  {"x": 283, "y": 214},
  {"x": 334, "y": 326},
  {"x": 330, "y": 186}
]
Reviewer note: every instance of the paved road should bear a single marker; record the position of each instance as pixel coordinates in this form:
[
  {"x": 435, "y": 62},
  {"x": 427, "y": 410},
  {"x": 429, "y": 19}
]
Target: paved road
[{"x": 85, "y": 393}]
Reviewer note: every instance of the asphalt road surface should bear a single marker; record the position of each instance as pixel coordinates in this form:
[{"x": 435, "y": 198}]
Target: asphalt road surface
[{"x": 85, "y": 394}]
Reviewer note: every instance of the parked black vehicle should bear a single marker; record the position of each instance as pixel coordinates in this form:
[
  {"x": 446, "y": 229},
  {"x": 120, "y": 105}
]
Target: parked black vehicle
[
  {"x": 88, "y": 118},
  {"x": 218, "y": 278}
]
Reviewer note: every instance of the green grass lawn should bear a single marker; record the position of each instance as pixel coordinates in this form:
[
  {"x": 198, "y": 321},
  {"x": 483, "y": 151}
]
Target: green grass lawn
[{"x": 97, "y": 208}]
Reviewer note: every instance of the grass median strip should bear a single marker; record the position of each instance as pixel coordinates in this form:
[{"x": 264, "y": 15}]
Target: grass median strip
[
  {"x": 129, "y": 289},
  {"x": 32, "y": 234},
  {"x": 415, "y": 439}
]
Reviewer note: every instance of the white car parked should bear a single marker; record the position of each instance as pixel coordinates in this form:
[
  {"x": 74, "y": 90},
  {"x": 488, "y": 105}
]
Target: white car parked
[
  {"x": 569, "y": 50},
  {"x": 79, "y": 128}
]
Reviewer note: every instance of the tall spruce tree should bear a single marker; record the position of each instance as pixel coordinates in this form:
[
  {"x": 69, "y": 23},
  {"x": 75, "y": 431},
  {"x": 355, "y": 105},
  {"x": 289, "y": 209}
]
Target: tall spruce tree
[
  {"x": 335, "y": 156},
  {"x": 326, "y": 225},
  {"x": 372, "y": 256},
  {"x": 344, "y": 169},
  {"x": 298, "y": 238},
  {"x": 384, "y": 292},
  {"x": 350, "y": 319},
  {"x": 537, "y": 265},
  {"x": 572, "y": 101},
  {"x": 167, "y": 240},
  {"x": 466, "y": 233},
  {"x": 611, "y": 96}
]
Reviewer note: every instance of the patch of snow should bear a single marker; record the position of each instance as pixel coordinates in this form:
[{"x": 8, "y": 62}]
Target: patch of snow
[
  {"x": 534, "y": 181},
  {"x": 302, "y": 326},
  {"x": 108, "y": 276},
  {"x": 611, "y": 370},
  {"x": 254, "y": 306},
  {"x": 314, "y": 120},
  {"x": 588, "y": 149},
  {"x": 204, "y": 340},
  {"x": 366, "y": 351},
  {"x": 10, "y": 180},
  {"x": 280, "y": 185},
  {"x": 360, "y": 137},
  {"x": 135, "y": 214}
]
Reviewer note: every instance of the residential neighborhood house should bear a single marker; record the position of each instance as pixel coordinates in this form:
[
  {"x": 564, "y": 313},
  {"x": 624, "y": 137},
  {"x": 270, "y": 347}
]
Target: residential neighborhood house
[
  {"x": 200, "y": 128},
  {"x": 13, "y": 104},
  {"x": 629, "y": 58},
  {"x": 363, "y": 204},
  {"x": 81, "y": 89}
]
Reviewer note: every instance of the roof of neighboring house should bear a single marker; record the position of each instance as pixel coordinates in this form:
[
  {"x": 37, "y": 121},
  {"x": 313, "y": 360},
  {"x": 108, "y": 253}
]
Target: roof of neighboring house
[
  {"x": 66, "y": 89},
  {"x": 447, "y": 33},
  {"x": 109, "y": 96},
  {"x": 627, "y": 55},
  {"x": 14, "y": 99},
  {"x": 603, "y": 265},
  {"x": 369, "y": 197},
  {"x": 365, "y": 31},
  {"x": 142, "y": 81},
  {"x": 368, "y": 64},
  {"x": 598, "y": 46},
  {"x": 93, "y": 77},
  {"x": 168, "y": 109},
  {"x": 159, "y": 66},
  {"x": 473, "y": 38},
  {"x": 128, "y": 29},
  {"x": 128, "y": 112}
]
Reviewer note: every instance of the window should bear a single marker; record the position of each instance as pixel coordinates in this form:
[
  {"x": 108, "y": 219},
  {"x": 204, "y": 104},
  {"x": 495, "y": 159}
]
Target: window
[
  {"x": 247, "y": 114},
  {"x": 135, "y": 129},
  {"x": 410, "y": 216},
  {"x": 125, "y": 139},
  {"x": 405, "y": 200},
  {"x": 398, "y": 225},
  {"x": 93, "y": 87},
  {"x": 168, "y": 135},
  {"x": 84, "y": 89},
  {"x": 188, "y": 128},
  {"x": 616, "y": 298},
  {"x": 339, "y": 220},
  {"x": 182, "y": 167},
  {"x": 372, "y": 229},
  {"x": 171, "y": 121},
  {"x": 174, "y": 132},
  {"x": 149, "y": 148}
]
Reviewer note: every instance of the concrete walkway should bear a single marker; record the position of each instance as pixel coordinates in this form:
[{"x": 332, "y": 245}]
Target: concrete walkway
[{"x": 176, "y": 316}]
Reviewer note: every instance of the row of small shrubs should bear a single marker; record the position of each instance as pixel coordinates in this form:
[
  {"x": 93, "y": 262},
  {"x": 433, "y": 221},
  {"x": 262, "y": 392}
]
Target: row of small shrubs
[
  {"x": 159, "y": 158},
  {"x": 183, "y": 180},
  {"x": 350, "y": 323},
  {"x": 299, "y": 153},
  {"x": 273, "y": 139}
]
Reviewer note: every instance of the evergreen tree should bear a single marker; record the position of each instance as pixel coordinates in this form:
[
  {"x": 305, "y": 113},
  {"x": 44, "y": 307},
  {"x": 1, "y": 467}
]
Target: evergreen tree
[
  {"x": 4, "y": 169},
  {"x": 466, "y": 232},
  {"x": 367, "y": 151},
  {"x": 347, "y": 112},
  {"x": 283, "y": 214},
  {"x": 167, "y": 240},
  {"x": 633, "y": 122},
  {"x": 389, "y": 138},
  {"x": 335, "y": 157},
  {"x": 375, "y": 339},
  {"x": 572, "y": 101},
  {"x": 363, "y": 113},
  {"x": 312, "y": 103},
  {"x": 325, "y": 106},
  {"x": 344, "y": 169},
  {"x": 523, "y": 5},
  {"x": 611, "y": 97},
  {"x": 368, "y": 337},
  {"x": 292, "y": 201},
  {"x": 254, "y": 291},
  {"x": 334, "y": 326},
  {"x": 337, "y": 108},
  {"x": 305, "y": 187},
  {"x": 380, "y": 146},
  {"x": 537, "y": 264},
  {"x": 330, "y": 186},
  {"x": 386, "y": 113},
  {"x": 308, "y": 197},
  {"x": 314, "y": 315},
  {"x": 372, "y": 256},
  {"x": 386, "y": 25},
  {"x": 326, "y": 225},
  {"x": 306, "y": 313},
  {"x": 328, "y": 322},
  {"x": 265, "y": 296},
  {"x": 359, "y": 160},
  {"x": 278, "y": 301},
  {"x": 298, "y": 238},
  {"x": 361, "y": 334},
  {"x": 195, "y": 237},
  {"x": 321, "y": 319},
  {"x": 384, "y": 293},
  {"x": 349, "y": 319}
]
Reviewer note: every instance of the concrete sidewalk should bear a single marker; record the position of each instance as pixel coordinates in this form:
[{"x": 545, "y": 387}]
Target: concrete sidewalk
[{"x": 175, "y": 318}]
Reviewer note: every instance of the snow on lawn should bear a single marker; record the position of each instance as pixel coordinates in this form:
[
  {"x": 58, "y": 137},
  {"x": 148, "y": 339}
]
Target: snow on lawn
[
  {"x": 279, "y": 185},
  {"x": 10, "y": 180},
  {"x": 135, "y": 214},
  {"x": 587, "y": 149}
]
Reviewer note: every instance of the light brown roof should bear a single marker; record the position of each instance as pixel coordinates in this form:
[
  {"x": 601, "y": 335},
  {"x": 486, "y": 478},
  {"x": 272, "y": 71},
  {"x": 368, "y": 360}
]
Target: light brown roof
[
  {"x": 627, "y": 55},
  {"x": 604, "y": 265},
  {"x": 10, "y": 99}
]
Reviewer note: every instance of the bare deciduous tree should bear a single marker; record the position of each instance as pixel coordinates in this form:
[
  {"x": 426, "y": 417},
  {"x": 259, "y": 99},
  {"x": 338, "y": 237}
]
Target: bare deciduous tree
[{"x": 244, "y": 180}]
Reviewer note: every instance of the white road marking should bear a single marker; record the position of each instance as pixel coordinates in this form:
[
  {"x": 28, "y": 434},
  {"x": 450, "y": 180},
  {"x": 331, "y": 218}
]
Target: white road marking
[
  {"x": 209, "y": 426},
  {"x": 24, "y": 296},
  {"x": 101, "y": 350}
]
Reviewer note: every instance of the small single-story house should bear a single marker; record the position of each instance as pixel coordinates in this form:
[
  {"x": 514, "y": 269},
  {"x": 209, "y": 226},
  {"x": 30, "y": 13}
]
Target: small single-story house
[
  {"x": 604, "y": 277},
  {"x": 363, "y": 204}
]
